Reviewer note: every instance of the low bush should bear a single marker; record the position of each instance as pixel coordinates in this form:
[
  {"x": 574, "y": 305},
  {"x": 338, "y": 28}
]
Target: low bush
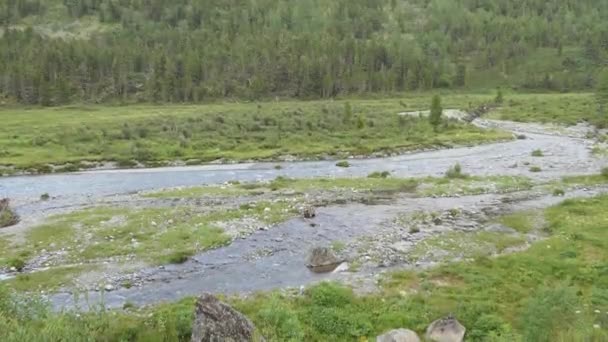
[
  {"x": 343, "y": 163},
  {"x": 535, "y": 169},
  {"x": 383, "y": 174},
  {"x": 455, "y": 172},
  {"x": 8, "y": 217},
  {"x": 537, "y": 153}
]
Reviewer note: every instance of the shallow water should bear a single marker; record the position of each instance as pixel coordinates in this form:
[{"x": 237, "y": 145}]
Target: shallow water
[{"x": 282, "y": 250}]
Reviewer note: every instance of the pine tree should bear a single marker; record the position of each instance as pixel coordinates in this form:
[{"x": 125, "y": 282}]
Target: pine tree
[{"x": 436, "y": 112}]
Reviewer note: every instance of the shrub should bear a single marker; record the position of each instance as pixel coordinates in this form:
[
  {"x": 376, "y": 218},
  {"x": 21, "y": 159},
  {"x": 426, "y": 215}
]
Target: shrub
[
  {"x": 17, "y": 263},
  {"x": 179, "y": 257},
  {"x": 7, "y": 216},
  {"x": 45, "y": 197},
  {"x": 537, "y": 153},
  {"x": 559, "y": 192},
  {"x": 377, "y": 174},
  {"x": 605, "y": 172},
  {"x": 343, "y": 163},
  {"x": 499, "y": 97},
  {"x": 414, "y": 230},
  {"x": 535, "y": 169},
  {"x": 455, "y": 172}
]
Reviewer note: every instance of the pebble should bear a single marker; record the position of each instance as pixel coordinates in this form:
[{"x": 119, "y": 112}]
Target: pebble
[{"x": 109, "y": 287}]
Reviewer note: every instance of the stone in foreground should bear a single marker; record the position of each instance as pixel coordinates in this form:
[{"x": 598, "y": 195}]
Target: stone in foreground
[
  {"x": 215, "y": 321},
  {"x": 323, "y": 259},
  {"x": 446, "y": 329},
  {"x": 398, "y": 335}
]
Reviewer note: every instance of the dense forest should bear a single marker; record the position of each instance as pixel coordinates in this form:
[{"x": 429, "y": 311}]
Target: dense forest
[{"x": 59, "y": 51}]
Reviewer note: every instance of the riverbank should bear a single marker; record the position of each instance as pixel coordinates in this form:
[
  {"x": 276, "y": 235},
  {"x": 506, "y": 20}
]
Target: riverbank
[{"x": 74, "y": 138}]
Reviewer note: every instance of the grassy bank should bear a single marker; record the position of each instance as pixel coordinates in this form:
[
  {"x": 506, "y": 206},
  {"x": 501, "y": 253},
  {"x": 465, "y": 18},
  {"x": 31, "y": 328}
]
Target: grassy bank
[
  {"x": 566, "y": 109},
  {"x": 33, "y": 138},
  {"x": 554, "y": 291},
  {"x": 384, "y": 183}
]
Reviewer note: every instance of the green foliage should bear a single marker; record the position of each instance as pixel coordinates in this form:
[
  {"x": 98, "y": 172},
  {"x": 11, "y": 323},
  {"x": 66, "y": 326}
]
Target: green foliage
[
  {"x": 343, "y": 163},
  {"x": 537, "y": 153},
  {"x": 549, "y": 292},
  {"x": 8, "y": 216},
  {"x": 95, "y": 133},
  {"x": 604, "y": 172},
  {"x": 45, "y": 197},
  {"x": 378, "y": 174},
  {"x": 16, "y": 263},
  {"x": 455, "y": 172},
  {"x": 535, "y": 169},
  {"x": 547, "y": 310},
  {"x": 436, "y": 112},
  {"x": 499, "y": 99},
  {"x": 51, "y": 49},
  {"x": 568, "y": 109},
  {"x": 559, "y": 192}
]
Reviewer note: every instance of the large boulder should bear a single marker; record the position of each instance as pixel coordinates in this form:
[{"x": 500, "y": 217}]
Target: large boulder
[
  {"x": 446, "y": 329},
  {"x": 323, "y": 259},
  {"x": 215, "y": 321},
  {"x": 398, "y": 335}
]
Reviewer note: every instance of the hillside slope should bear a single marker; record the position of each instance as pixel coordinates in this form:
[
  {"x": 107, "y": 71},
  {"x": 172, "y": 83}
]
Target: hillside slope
[{"x": 60, "y": 51}]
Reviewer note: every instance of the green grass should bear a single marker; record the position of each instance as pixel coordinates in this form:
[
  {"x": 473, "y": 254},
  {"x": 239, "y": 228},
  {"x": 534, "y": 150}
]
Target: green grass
[
  {"x": 549, "y": 292},
  {"x": 49, "y": 280},
  {"x": 588, "y": 180},
  {"x": 375, "y": 182},
  {"x": 523, "y": 222},
  {"x": 156, "y": 235},
  {"x": 568, "y": 109},
  {"x": 537, "y": 153},
  {"x": 452, "y": 245},
  {"x": 33, "y": 137},
  {"x": 293, "y": 185},
  {"x": 473, "y": 185}
]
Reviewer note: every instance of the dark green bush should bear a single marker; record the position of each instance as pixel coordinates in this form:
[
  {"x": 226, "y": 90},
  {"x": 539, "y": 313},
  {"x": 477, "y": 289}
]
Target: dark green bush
[{"x": 343, "y": 163}]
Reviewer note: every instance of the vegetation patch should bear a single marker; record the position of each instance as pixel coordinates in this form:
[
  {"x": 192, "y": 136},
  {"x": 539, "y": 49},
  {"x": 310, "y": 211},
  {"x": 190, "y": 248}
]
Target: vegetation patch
[
  {"x": 266, "y": 131},
  {"x": 553, "y": 291},
  {"x": 473, "y": 185},
  {"x": 48, "y": 280},
  {"x": 523, "y": 222},
  {"x": 8, "y": 217},
  {"x": 455, "y": 172},
  {"x": 156, "y": 235},
  {"x": 537, "y": 153},
  {"x": 462, "y": 245},
  {"x": 343, "y": 163}
]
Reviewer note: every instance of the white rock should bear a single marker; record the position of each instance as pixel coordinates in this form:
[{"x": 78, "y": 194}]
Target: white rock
[{"x": 109, "y": 287}]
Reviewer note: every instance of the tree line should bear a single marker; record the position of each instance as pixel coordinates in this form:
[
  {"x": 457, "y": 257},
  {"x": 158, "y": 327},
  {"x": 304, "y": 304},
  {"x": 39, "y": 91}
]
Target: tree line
[{"x": 194, "y": 50}]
